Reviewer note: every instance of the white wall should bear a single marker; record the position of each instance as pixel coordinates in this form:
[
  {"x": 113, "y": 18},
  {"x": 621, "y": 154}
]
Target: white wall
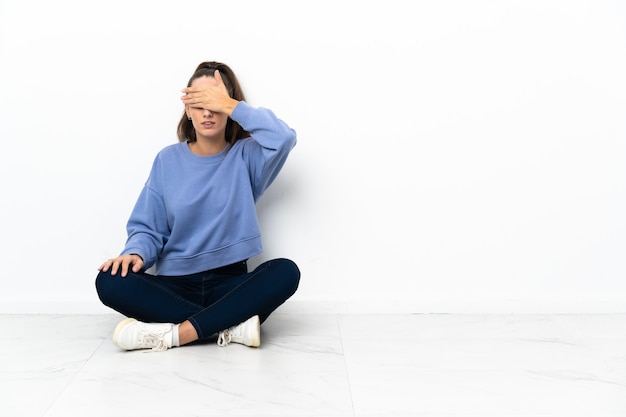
[{"x": 453, "y": 156}]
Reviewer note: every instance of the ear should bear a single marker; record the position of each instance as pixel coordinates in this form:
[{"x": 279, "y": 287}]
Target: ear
[{"x": 187, "y": 112}]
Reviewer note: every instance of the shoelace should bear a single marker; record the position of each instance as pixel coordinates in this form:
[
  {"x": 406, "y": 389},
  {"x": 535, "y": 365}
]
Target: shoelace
[
  {"x": 224, "y": 338},
  {"x": 156, "y": 339}
]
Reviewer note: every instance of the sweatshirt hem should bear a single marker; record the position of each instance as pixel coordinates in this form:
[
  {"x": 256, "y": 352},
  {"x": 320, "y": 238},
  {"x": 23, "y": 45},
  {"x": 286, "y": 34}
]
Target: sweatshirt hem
[{"x": 209, "y": 260}]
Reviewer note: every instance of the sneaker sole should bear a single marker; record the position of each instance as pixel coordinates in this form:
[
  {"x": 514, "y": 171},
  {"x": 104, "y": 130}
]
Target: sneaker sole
[{"x": 118, "y": 329}]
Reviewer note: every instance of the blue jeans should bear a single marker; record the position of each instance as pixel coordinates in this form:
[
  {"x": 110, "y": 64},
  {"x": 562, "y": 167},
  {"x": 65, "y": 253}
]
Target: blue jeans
[{"x": 212, "y": 301}]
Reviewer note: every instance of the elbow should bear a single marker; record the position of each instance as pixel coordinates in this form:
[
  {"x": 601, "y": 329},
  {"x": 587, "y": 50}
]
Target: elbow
[{"x": 293, "y": 139}]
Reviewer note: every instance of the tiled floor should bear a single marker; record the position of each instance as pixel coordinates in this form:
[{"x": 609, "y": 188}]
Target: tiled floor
[{"x": 324, "y": 365}]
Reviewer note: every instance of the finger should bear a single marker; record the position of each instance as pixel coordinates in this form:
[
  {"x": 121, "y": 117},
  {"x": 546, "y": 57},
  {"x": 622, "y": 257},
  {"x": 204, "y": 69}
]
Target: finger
[
  {"x": 190, "y": 99},
  {"x": 125, "y": 265},
  {"x": 137, "y": 266},
  {"x": 218, "y": 77},
  {"x": 114, "y": 267}
]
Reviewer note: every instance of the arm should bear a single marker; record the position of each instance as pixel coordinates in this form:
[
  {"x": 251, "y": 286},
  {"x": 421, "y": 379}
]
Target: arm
[
  {"x": 271, "y": 142},
  {"x": 147, "y": 230},
  {"x": 147, "y": 227}
]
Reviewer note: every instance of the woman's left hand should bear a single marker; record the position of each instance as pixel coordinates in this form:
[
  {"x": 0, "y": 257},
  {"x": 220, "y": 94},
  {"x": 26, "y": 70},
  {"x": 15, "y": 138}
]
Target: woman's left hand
[{"x": 213, "y": 97}]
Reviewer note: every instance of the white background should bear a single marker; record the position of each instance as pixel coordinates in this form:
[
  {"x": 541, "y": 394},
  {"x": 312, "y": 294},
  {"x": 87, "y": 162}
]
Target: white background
[{"x": 453, "y": 156}]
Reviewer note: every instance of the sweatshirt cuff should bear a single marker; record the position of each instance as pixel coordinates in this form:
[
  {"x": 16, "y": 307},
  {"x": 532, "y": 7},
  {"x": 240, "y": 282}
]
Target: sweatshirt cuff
[{"x": 241, "y": 112}]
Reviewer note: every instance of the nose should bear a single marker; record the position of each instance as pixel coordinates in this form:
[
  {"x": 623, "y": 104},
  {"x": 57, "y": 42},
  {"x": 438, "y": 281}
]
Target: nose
[{"x": 207, "y": 113}]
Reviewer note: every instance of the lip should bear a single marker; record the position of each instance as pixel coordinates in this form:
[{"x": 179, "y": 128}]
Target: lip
[{"x": 207, "y": 124}]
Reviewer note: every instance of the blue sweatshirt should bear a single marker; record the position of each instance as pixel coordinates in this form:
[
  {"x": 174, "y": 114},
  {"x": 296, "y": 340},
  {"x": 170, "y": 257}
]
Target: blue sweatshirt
[{"x": 197, "y": 213}]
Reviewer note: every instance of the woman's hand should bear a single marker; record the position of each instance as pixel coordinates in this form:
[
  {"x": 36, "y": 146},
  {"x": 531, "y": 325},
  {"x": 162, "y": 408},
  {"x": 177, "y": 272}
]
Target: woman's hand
[
  {"x": 135, "y": 262},
  {"x": 213, "y": 97}
]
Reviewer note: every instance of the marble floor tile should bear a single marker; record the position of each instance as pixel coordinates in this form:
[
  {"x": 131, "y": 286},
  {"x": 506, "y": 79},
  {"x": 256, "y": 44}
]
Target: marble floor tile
[
  {"x": 41, "y": 355},
  {"x": 289, "y": 375},
  {"x": 358, "y": 365},
  {"x": 489, "y": 365}
]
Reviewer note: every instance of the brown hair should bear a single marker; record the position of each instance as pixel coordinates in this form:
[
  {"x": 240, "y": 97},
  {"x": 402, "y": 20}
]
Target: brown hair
[{"x": 234, "y": 131}]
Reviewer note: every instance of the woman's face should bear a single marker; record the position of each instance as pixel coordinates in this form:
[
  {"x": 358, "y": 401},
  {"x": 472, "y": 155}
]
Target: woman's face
[{"x": 208, "y": 124}]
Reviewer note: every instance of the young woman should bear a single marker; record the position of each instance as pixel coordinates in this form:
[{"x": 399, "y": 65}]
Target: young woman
[{"x": 195, "y": 221}]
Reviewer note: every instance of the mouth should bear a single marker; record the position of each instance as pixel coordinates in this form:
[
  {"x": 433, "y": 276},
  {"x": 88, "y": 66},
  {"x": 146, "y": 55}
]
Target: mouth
[{"x": 207, "y": 125}]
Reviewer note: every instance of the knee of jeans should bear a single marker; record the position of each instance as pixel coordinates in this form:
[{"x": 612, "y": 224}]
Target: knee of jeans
[
  {"x": 104, "y": 286},
  {"x": 290, "y": 273}
]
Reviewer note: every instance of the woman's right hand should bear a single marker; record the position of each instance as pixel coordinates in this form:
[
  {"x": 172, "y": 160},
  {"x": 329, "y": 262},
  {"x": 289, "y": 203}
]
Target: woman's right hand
[{"x": 134, "y": 262}]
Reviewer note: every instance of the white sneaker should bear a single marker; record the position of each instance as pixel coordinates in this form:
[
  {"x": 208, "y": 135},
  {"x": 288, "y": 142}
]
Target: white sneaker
[
  {"x": 247, "y": 333},
  {"x": 131, "y": 334}
]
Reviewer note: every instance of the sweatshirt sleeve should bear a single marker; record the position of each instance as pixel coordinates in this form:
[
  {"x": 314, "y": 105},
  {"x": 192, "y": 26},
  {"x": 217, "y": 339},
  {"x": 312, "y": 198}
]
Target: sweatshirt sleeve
[
  {"x": 272, "y": 140},
  {"x": 147, "y": 226}
]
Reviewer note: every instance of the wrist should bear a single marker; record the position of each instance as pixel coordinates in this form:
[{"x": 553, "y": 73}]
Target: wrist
[{"x": 230, "y": 106}]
